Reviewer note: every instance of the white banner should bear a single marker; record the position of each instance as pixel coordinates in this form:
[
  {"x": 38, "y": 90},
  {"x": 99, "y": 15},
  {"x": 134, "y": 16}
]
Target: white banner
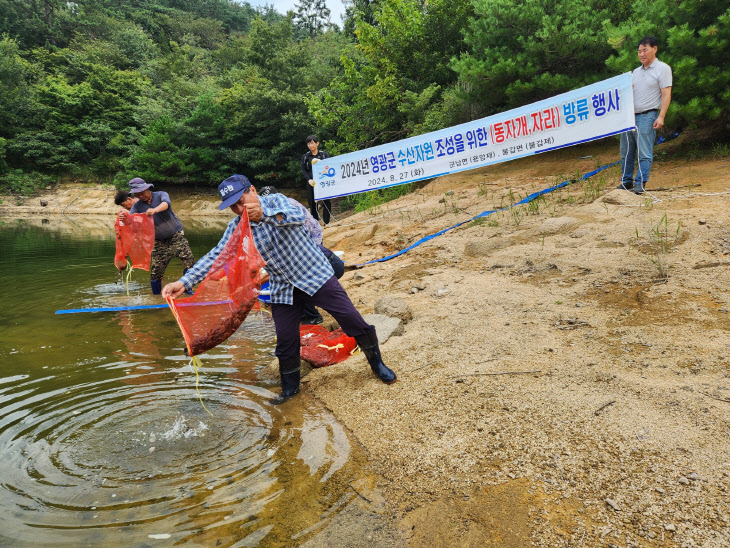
[{"x": 592, "y": 112}]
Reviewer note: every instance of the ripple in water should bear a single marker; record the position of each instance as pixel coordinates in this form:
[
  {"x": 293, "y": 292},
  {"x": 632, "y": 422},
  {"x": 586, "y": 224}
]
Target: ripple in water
[{"x": 140, "y": 457}]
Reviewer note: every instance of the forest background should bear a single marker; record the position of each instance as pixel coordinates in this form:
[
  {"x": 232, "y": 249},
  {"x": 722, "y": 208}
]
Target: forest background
[{"x": 186, "y": 92}]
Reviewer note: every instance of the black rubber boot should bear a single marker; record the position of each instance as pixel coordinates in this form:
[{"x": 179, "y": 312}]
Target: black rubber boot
[
  {"x": 289, "y": 388},
  {"x": 156, "y": 286},
  {"x": 369, "y": 345}
]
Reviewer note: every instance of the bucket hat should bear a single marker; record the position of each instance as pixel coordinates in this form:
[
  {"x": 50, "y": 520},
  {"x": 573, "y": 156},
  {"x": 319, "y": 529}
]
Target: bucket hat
[{"x": 138, "y": 185}]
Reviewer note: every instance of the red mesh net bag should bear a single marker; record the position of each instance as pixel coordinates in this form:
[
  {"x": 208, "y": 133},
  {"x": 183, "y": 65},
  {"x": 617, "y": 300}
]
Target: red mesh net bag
[
  {"x": 135, "y": 239},
  {"x": 322, "y": 348},
  {"x": 226, "y": 295}
]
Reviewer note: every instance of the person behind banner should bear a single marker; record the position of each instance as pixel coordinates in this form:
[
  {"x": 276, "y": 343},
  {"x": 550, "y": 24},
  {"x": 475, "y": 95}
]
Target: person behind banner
[
  {"x": 310, "y": 315},
  {"x": 169, "y": 238},
  {"x": 652, "y": 87},
  {"x": 299, "y": 273},
  {"x": 311, "y": 157}
]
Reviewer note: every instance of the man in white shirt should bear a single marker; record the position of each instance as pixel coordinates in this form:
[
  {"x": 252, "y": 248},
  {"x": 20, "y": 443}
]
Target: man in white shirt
[{"x": 652, "y": 84}]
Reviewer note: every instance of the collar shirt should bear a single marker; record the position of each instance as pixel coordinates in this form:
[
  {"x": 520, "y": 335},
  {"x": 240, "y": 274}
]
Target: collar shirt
[
  {"x": 166, "y": 222},
  {"x": 648, "y": 84},
  {"x": 292, "y": 258}
]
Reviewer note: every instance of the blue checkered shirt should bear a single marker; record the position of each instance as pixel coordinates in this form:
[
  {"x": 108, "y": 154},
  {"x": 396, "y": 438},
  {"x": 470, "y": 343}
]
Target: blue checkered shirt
[{"x": 292, "y": 258}]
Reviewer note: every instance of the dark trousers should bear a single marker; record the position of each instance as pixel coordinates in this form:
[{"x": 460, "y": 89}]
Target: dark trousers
[
  {"x": 332, "y": 298},
  {"x": 309, "y": 312},
  {"x": 326, "y": 206}
]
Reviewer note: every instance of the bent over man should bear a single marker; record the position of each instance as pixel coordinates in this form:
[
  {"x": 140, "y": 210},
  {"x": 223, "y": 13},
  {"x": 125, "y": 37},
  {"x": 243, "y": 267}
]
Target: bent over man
[
  {"x": 169, "y": 238},
  {"x": 299, "y": 273}
]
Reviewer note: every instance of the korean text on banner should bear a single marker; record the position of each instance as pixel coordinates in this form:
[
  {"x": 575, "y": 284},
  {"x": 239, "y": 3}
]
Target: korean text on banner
[{"x": 592, "y": 112}]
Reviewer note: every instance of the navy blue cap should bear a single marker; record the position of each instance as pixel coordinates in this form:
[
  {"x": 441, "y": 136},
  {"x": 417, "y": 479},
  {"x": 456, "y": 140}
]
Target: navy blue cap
[{"x": 231, "y": 190}]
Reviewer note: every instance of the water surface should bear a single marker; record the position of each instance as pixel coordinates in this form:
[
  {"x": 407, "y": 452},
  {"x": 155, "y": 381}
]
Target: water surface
[{"x": 101, "y": 430}]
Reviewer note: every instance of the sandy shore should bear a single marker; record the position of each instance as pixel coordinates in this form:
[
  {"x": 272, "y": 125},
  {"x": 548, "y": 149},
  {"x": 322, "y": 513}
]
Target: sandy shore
[{"x": 564, "y": 380}]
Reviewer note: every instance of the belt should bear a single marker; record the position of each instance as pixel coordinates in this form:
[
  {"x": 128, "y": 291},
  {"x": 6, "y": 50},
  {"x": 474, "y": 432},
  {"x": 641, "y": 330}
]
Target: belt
[{"x": 646, "y": 111}]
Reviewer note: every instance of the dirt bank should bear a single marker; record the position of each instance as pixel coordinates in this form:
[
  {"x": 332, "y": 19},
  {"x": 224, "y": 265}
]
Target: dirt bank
[
  {"x": 564, "y": 381},
  {"x": 92, "y": 199}
]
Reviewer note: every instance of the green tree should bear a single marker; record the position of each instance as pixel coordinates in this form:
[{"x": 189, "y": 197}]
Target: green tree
[
  {"x": 387, "y": 89},
  {"x": 312, "y": 17},
  {"x": 359, "y": 11},
  {"x": 694, "y": 39},
  {"x": 16, "y": 101},
  {"x": 521, "y": 52},
  {"x": 264, "y": 128}
]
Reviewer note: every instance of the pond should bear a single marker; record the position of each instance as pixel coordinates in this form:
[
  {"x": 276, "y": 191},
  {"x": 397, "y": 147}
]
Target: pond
[{"x": 102, "y": 436}]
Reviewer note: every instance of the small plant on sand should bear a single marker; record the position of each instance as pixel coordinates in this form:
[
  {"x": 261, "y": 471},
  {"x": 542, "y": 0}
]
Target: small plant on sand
[
  {"x": 661, "y": 239},
  {"x": 593, "y": 188},
  {"x": 533, "y": 208},
  {"x": 721, "y": 150},
  {"x": 493, "y": 222},
  {"x": 450, "y": 203}
]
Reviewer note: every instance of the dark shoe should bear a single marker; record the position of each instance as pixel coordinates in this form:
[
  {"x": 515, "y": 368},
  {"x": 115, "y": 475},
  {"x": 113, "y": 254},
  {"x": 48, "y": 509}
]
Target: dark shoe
[
  {"x": 625, "y": 187},
  {"x": 639, "y": 191},
  {"x": 156, "y": 286},
  {"x": 289, "y": 388},
  {"x": 318, "y": 319},
  {"x": 369, "y": 345}
]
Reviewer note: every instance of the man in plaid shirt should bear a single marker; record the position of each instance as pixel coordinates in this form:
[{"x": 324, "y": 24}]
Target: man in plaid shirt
[{"x": 299, "y": 273}]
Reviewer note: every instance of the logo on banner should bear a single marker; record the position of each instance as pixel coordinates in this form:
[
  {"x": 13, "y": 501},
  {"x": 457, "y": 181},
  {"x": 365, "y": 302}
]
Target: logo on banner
[{"x": 328, "y": 172}]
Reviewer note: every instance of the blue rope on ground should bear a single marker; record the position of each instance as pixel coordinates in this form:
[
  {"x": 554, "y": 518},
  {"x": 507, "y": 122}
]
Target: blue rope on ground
[{"x": 526, "y": 200}]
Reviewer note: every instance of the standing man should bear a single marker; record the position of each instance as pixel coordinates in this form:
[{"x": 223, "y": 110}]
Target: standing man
[
  {"x": 169, "y": 239},
  {"x": 311, "y": 157},
  {"x": 652, "y": 83},
  {"x": 299, "y": 273}
]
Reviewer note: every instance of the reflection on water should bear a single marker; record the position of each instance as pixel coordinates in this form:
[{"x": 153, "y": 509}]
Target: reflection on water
[{"x": 101, "y": 430}]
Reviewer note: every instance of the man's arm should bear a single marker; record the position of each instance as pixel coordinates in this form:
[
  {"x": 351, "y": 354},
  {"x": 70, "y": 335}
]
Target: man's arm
[
  {"x": 163, "y": 205},
  {"x": 666, "y": 99},
  {"x": 159, "y": 209},
  {"x": 199, "y": 270},
  {"x": 277, "y": 210}
]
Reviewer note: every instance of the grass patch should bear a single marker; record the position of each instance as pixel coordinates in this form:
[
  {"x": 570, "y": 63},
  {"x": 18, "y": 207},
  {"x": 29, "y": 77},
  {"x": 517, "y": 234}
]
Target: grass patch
[
  {"x": 25, "y": 184},
  {"x": 660, "y": 239},
  {"x": 375, "y": 198}
]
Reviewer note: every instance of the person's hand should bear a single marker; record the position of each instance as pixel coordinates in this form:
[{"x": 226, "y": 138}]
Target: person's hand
[
  {"x": 173, "y": 290},
  {"x": 123, "y": 215},
  {"x": 149, "y": 212},
  {"x": 659, "y": 123},
  {"x": 312, "y": 183},
  {"x": 264, "y": 276},
  {"x": 315, "y": 160},
  {"x": 255, "y": 213}
]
